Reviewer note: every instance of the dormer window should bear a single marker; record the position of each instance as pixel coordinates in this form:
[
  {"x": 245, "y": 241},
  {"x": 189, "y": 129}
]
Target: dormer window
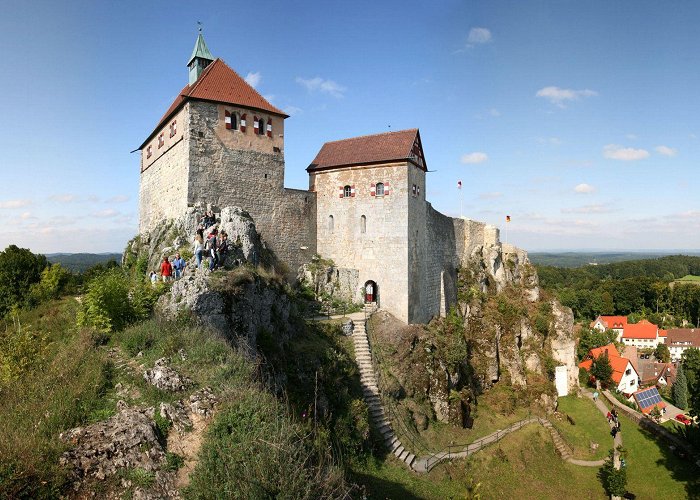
[{"x": 161, "y": 141}]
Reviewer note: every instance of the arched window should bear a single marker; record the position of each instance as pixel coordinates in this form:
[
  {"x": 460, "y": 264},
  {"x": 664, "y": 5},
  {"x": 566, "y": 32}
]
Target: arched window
[
  {"x": 347, "y": 191},
  {"x": 363, "y": 224},
  {"x": 379, "y": 189},
  {"x": 261, "y": 126},
  {"x": 330, "y": 223}
]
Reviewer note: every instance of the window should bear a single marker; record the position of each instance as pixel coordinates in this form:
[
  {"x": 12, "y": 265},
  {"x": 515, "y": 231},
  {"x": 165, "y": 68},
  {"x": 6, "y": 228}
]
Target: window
[
  {"x": 161, "y": 141},
  {"x": 347, "y": 192},
  {"x": 261, "y": 126},
  {"x": 173, "y": 128},
  {"x": 632, "y": 382},
  {"x": 269, "y": 127},
  {"x": 231, "y": 120},
  {"x": 149, "y": 151},
  {"x": 418, "y": 191},
  {"x": 363, "y": 224},
  {"x": 330, "y": 223},
  {"x": 379, "y": 189},
  {"x": 413, "y": 190},
  {"x": 628, "y": 371}
]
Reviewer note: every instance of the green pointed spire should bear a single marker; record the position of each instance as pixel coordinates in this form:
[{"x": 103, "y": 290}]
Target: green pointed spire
[{"x": 200, "y": 59}]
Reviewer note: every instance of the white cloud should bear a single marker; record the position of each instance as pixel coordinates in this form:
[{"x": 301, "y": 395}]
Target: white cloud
[
  {"x": 64, "y": 198},
  {"x": 292, "y": 110},
  {"x": 666, "y": 151},
  {"x": 253, "y": 79},
  {"x": 632, "y": 137},
  {"x": 559, "y": 97},
  {"x": 475, "y": 157},
  {"x": 15, "y": 203},
  {"x": 120, "y": 198},
  {"x": 494, "y": 112},
  {"x": 322, "y": 85},
  {"x": 588, "y": 209},
  {"x": 478, "y": 36},
  {"x": 107, "y": 213},
  {"x": 615, "y": 152},
  {"x": 584, "y": 188},
  {"x": 269, "y": 97}
]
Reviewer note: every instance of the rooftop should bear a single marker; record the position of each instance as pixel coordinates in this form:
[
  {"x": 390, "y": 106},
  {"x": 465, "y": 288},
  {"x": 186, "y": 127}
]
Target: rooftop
[
  {"x": 678, "y": 335},
  {"x": 642, "y": 330}
]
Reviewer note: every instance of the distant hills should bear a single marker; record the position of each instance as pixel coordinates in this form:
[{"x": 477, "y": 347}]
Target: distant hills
[
  {"x": 578, "y": 259},
  {"x": 80, "y": 262}
]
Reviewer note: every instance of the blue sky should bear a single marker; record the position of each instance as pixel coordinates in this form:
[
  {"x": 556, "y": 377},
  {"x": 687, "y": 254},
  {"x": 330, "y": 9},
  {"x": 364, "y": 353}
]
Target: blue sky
[{"x": 578, "y": 119}]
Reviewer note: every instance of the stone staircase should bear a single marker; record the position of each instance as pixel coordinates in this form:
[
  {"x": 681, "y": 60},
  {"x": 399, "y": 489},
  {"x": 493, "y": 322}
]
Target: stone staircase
[
  {"x": 559, "y": 443},
  {"x": 370, "y": 390}
]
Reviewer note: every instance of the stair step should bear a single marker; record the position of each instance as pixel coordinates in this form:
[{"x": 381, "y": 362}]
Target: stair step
[
  {"x": 398, "y": 451},
  {"x": 409, "y": 459},
  {"x": 403, "y": 455}
]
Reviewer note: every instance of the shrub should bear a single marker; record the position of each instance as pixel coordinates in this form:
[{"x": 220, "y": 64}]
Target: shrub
[
  {"x": 614, "y": 480},
  {"x": 106, "y": 305}
]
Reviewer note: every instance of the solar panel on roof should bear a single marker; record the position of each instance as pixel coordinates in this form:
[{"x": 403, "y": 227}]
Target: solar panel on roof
[{"x": 648, "y": 397}]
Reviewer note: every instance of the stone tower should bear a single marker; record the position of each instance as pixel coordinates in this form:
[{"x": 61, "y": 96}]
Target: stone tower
[{"x": 220, "y": 143}]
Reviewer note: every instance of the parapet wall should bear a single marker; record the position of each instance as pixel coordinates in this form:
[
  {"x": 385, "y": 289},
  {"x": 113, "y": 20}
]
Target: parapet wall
[{"x": 471, "y": 234}]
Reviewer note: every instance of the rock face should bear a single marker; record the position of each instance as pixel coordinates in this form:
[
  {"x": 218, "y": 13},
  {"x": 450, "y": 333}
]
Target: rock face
[
  {"x": 165, "y": 378},
  {"x": 239, "y": 305},
  {"x": 330, "y": 281},
  {"x": 564, "y": 343},
  {"x": 127, "y": 440}
]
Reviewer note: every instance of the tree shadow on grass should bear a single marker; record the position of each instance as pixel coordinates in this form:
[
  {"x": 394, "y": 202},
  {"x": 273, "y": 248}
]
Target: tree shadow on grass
[{"x": 678, "y": 462}]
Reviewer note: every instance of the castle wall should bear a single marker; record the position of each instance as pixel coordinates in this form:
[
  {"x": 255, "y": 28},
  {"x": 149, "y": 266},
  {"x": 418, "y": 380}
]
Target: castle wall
[
  {"x": 471, "y": 234},
  {"x": 163, "y": 186},
  {"x": 251, "y": 178},
  {"x": 380, "y": 253}
]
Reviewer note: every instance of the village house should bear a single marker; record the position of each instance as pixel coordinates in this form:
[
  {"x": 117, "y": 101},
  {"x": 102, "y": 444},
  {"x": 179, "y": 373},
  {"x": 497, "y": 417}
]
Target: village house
[
  {"x": 643, "y": 335},
  {"x": 680, "y": 339},
  {"x": 624, "y": 376},
  {"x": 614, "y": 323}
]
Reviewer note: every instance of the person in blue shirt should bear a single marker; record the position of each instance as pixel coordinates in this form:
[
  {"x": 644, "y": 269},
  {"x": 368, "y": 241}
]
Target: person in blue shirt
[{"x": 179, "y": 265}]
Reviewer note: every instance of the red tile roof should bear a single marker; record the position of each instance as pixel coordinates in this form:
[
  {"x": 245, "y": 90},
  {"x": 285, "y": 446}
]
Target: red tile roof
[
  {"x": 642, "y": 330},
  {"x": 676, "y": 335},
  {"x": 218, "y": 83},
  {"x": 366, "y": 149},
  {"x": 617, "y": 362},
  {"x": 611, "y": 322}
]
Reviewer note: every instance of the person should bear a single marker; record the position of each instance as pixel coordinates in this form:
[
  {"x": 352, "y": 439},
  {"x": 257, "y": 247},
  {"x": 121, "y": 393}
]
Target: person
[
  {"x": 166, "y": 270},
  {"x": 211, "y": 248},
  {"x": 609, "y": 417},
  {"x": 179, "y": 265},
  {"x": 595, "y": 396},
  {"x": 622, "y": 462},
  {"x": 198, "y": 249},
  {"x": 222, "y": 248},
  {"x": 613, "y": 432},
  {"x": 153, "y": 277}
]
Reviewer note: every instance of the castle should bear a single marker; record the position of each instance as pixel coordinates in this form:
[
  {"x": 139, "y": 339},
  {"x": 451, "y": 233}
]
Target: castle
[{"x": 220, "y": 143}]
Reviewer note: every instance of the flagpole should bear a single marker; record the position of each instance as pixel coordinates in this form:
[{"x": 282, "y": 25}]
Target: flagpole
[{"x": 459, "y": 187}]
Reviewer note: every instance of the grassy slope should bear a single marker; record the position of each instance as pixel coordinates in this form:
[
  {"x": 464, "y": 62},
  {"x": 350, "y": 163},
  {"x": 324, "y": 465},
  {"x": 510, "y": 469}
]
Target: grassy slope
[{"x": 589, "y": 425}]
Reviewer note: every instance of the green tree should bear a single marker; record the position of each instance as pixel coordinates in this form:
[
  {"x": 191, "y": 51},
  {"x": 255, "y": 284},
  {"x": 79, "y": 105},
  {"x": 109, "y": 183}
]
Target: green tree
[
  {"x": 590, "y": 338},
  {"x": 680, "y": 389},
  {"x": 607, "y": 306},
  {"x": 662, "y": 353},
  {"x": 614, "y": 480},
  {"x": 602, "y": 370},
  {"x": 54, "y": 279},
  {"x": 19, "y": 270}
]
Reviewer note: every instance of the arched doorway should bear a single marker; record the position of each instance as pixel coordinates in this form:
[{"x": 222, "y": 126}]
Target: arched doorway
[{"x": 371, "y": 292}]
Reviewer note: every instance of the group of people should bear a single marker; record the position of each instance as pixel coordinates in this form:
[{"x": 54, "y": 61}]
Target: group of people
[
  {"x": 170, "y": 270},
  {"x": 214, "y": 246},
  {"x": 614, "y": 420}
]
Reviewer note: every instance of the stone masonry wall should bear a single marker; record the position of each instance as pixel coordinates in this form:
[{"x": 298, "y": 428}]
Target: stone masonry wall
[
  {"x": 221, "y": 175},
  {"x": 379, "y": 253},
  {"x": 163, "y": 186}
]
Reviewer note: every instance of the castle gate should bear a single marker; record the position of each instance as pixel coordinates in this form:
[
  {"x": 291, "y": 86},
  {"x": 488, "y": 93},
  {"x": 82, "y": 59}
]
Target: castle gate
[{"x": 371, "y": 292}]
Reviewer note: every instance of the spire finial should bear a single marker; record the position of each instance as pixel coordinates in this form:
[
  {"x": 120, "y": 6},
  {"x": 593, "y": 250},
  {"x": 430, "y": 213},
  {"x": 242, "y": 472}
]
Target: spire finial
[{"x": 199, "y": 25}]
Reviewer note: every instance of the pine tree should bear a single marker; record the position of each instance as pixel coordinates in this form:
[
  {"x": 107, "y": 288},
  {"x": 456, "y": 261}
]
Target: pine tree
[{"x": 680, "y": 389}]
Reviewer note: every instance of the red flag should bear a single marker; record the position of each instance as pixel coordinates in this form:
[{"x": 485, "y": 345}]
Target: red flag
[{"x": 459, "y": 184}]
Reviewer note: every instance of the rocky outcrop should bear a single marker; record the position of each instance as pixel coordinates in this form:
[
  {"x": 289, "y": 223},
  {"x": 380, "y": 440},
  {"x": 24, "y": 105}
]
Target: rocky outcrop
[
  {"x": 165, "y": 378},
  {"x": 128, "y": 440},
  {"x": 330, "y": 282},
  {"x": 563, "y": 343},
  {"x": 239, "y": 305}
]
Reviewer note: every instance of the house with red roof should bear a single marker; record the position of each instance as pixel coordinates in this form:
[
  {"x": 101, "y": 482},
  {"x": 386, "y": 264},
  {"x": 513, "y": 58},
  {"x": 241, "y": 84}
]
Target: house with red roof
[
  {"x": 615, "y": 323},
  {"x": 680, "y": 339},
  {"x": 624, "y": 374},
  {"x": 642, "y": 335}
]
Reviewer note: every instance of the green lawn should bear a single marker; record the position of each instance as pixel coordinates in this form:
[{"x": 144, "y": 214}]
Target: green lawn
[
  {"x": 589, "y": 426},
  {"x": 524, "y": 464},
  {"x": 688, "y": 278},
  {"x": 653, "y": 471}
]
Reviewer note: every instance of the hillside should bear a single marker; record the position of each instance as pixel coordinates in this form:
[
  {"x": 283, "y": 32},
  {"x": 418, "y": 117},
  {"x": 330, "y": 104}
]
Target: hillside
[
  {"x": 580, "y": 259},
  {"x": 80, "y": 262}
]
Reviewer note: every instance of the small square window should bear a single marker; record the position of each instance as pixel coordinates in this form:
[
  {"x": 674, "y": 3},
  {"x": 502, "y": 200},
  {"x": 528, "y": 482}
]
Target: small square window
[
  {"x": 379, "y": 189},
  {"x": 161, "y": 141}
]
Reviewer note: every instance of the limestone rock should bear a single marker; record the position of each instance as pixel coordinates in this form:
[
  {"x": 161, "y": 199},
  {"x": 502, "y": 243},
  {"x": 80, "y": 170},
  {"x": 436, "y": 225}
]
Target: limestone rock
[
  {"x": 203, "y": 402},
  {"x": 564, "y": 344},
  {"x": 176, "y": 414},
  {"x": 165, "y": 378},
  {"x": 127, "y": 440}
]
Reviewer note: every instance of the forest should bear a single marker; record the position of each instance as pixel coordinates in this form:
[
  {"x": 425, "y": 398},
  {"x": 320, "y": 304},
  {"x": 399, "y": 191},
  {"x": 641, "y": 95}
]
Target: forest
[{"x": 638, "y": 288}]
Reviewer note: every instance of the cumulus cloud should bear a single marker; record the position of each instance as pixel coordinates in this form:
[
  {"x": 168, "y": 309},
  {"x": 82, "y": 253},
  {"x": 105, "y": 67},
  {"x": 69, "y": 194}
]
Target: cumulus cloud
[
  {"x": 584, "y": 188},
  {"x": 588, "y": 209},
  {"x": 253, "y": 79},
  {"x": 666, "y": 151},
  {"x": 322, "y": 85},
  {"x": 475, "y": 157},
  {"x": 616, "y": 152},
  {"x": 106, "y": 213},
  {"x": 559, "y": 97},
  {"x": 292, "y": 110},
  {"x": 15, "y": 203},
  {"x": 478, "y": 36},
  {"x": 63, "y": 198}
]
